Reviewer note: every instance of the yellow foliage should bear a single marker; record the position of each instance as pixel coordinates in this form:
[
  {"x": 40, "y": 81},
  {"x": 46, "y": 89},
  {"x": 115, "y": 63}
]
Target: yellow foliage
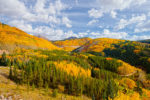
[
  {"x": 122, "y": 96},
  {"x": 136, "y": 51},
  {"x": 126, "y": 68},
  {"x": 128, "y": 83},
  {"x": 73, "y": 69},
  {"x": 98, "y": 45},
  {"x": 14, "y": 37},
  {"x": 146, "y": 92},
  {"x": 71, "y": 44},
  {"x": 148, "y": 60}
]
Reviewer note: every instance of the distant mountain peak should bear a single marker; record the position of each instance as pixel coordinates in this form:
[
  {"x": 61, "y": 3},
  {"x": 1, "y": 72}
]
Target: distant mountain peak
[{"x": 69, "y": 38}]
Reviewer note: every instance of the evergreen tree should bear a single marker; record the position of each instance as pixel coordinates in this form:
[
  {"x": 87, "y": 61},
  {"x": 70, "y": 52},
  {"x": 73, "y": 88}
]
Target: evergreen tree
[
  {"x": 3, "y": 59},
  {"x": 10, "y": 72}
]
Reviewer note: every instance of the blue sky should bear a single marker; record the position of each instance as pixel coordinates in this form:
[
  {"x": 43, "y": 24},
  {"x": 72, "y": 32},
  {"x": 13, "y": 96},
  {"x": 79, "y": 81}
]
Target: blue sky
[{"x": 60, "y": 19}]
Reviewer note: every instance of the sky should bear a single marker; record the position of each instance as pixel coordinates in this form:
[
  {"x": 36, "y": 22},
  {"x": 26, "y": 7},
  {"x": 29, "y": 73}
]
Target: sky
[{"x": 60, "y": 19}]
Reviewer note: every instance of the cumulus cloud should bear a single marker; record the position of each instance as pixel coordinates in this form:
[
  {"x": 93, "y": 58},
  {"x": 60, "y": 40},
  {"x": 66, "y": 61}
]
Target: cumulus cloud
[
  {"x": 95, "y": 13},
  {"x": 139, "y": 37},
  {"x": 40, "y": 12},
  {"x": 110, "y": 6},
  {"x": 142, "y": 27},
  {"x": 113, "y": 14},
  {"x": 13, "y": 8},
  {"x": 48, "y": 32},
  {"x": 44, "y": 12},
  {"x": 135, "y": 19},
  {"x": 108, "y": 34},
  {"x": 67, "y": 22},
  {"x": 92, "y": 22}
]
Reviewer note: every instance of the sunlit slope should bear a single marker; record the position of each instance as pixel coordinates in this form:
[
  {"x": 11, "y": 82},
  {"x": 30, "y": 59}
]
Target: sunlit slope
[
  {"x": 71, "y": 44},
  {"x": 98, "y": 45},
  {"x": 11, "y": 37}
]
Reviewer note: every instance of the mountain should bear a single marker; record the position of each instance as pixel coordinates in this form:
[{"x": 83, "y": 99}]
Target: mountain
[
  {"x": 145, "y": 41},
  {"x": 71, "y": 38},
  {"x": 71, "y": 43},
  {"x": 98, "y": 69},
  {"x": 12, "y": 37},
  {"x": 132, "y": 52}
]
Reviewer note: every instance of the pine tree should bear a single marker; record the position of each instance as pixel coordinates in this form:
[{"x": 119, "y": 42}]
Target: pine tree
[
  {"x": 112, "y": 89},
  {"x": 33, "y": 86},
  {"x": 10, "y": 72},
  {"x": 3, "y": 59}
]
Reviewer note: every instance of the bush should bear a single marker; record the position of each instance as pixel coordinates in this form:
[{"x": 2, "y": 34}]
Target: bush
[{"x": 55, "y": 93}]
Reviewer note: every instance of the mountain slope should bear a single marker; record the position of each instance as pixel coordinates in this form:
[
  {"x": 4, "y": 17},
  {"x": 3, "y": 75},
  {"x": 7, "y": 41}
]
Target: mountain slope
[
  {"x": 134, "y": 53},
  {"x": 145, "y": 41},
  {"x": 98, "y": 45},
  {"x": 71, "y": 44},
  {"x": 11, "y": 37}
]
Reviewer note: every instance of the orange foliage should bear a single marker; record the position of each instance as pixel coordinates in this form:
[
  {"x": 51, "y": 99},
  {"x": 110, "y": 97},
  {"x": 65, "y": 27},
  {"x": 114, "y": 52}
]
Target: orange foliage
[
  {"x": 98, "y": 45},
  {"x": 73, "y": 69},
  {"x": 17, "y": 38},
  {"x": 128, "y": 83},
  {"x": 108, "y": 58},
  {"x": 136, "y": 51},
  {"x": 146, "y": 92},
  {"x": 148, "y": 60},
  {"x": 122, "y": 96},
  {"x": 71, "y": 44},
  {"x": 126, "y": 68}
]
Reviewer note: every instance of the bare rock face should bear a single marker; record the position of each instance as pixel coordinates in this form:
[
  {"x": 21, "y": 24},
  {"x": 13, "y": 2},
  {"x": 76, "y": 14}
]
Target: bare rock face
[{"x": 2, "y": 51}]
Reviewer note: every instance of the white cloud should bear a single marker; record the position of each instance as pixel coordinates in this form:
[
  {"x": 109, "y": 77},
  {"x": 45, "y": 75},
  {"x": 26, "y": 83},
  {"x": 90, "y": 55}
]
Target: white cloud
[
  {"x": 136, "y": 37},
  {"x": 82, "y": 34},
  {"x": 92, "y": 22},
  {"x": 43, "y": 11},
  {"x": 135, "y": 19},
  {"x": 13, "y": 8},
  {"x": 117, "y": 35},
  {"x": 142, "y": 27},
  {"x": 48, "y": 32},
  {"x": 67, "y": 22},
  {"x": 148, "y": 14},
  {"x": 107, "y": 34},
  {"x": 22, "y": 25},
  {"x": 95, "y": 13},
  {"x": 107, "y": 6},
  {"x": 113, "y": 14}
]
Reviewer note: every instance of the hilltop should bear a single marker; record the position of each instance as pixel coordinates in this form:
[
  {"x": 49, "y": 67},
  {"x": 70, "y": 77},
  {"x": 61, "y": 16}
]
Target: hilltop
[
  {"x": 71, "y": 43},
  {"x": 12, "y": 37}
]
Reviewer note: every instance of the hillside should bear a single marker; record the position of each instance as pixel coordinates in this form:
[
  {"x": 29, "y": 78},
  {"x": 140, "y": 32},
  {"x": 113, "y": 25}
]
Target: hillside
[
  {"x": 9, "y": 90},
  {"x": 99, "y": 69},
  {"x": 98, "y": 45},
  {"x": 134, "y": 53},
  {"x": 145, "y": 41},
  {"x": 71, "y": 43},
  {"x": 43, "y": 74},
  {"x": 11, "y": 37}
]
